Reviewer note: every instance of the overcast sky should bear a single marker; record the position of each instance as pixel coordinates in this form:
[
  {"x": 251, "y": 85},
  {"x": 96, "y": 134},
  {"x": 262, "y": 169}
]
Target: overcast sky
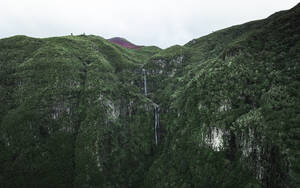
[{"x": 146, "y": 22}]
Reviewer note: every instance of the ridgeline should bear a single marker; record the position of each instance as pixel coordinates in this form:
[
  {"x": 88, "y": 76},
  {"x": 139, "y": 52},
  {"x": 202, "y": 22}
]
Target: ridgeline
[{"x": 220, "y": 111}]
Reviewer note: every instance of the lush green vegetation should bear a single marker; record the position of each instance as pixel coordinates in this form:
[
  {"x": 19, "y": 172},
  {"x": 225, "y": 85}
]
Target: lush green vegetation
[{"x": 73, "y": 112}]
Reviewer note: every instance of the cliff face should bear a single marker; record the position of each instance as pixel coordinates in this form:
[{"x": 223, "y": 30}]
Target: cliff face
[{"x": 220, "y": 111}]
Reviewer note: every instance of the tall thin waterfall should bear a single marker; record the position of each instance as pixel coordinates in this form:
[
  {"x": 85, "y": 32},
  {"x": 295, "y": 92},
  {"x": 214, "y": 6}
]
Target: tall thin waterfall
[
  {"x": 156, "y": 122},
  {"x": 156, "y": 110},
  {"x": 145, "y": 82}
]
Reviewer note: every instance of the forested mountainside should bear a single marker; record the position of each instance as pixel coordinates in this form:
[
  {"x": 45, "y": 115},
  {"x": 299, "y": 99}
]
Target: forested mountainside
[
  {"x": 220, "y": 111},
  {"x": 123, "y": 42}
]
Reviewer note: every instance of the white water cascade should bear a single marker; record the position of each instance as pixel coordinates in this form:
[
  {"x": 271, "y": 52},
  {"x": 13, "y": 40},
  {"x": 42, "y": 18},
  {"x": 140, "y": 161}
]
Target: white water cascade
[
  {"x": 145, "y": 82},
  {"x": 156, "y": 110},
  {"x": 156, "y": 122}
]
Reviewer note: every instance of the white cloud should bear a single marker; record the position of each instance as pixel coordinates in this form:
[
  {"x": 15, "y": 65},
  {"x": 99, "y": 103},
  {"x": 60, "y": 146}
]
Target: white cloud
[{"x": 149, "y": 22}]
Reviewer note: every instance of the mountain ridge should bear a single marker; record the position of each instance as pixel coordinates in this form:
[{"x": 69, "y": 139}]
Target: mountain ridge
[{"x": 219, "y": 111}]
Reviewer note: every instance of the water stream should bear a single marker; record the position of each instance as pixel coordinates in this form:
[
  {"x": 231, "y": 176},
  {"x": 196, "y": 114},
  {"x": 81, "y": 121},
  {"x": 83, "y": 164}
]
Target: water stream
[
  {"x": 156, "y": 111},
  {"x": 145, "y": 82},
  {"x": 156, "y": 122}
]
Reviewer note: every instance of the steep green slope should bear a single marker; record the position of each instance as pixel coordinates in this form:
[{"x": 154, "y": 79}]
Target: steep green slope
[
  {"x": 238, "y": 86},
  {"x": 220, "y": 111},
  {"x": 64, "y": 100}
]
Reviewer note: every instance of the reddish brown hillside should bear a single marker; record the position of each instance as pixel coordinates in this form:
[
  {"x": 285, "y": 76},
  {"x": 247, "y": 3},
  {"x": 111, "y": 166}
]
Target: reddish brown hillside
[{"x": 124, "y": 43}]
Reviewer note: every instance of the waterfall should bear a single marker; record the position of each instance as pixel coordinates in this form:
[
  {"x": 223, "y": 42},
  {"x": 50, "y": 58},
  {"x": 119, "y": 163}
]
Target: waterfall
[
  {"x": 145, "y": 82},
  {"x": 156, "y": 122},
  {"x": 156, "y": 111}
]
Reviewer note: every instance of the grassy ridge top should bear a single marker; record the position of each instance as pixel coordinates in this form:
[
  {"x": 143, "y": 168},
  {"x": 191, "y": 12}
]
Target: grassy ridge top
[
  {"x": 94, "y": 46},
  {"x": 81, "y": 111}
]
